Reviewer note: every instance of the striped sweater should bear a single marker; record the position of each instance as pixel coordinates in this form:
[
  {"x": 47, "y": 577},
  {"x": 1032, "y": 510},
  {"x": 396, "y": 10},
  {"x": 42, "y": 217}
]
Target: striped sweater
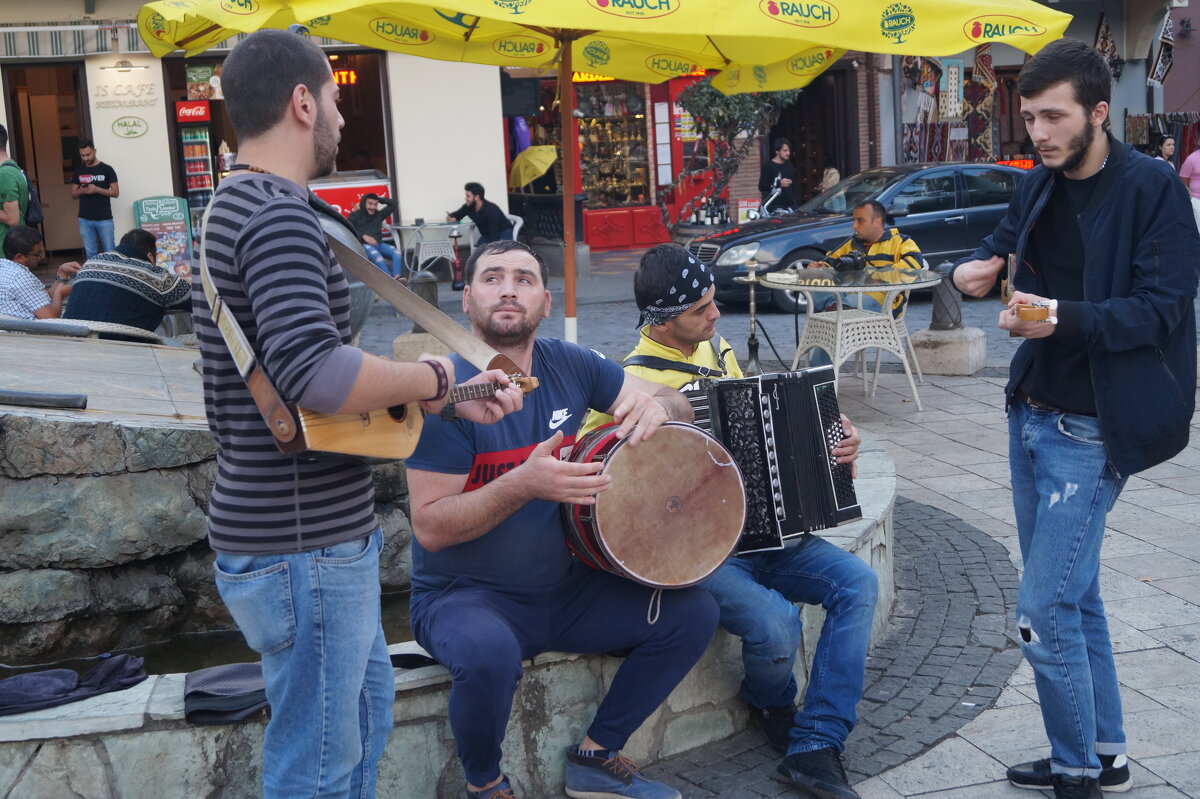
[{"x": 270, "y": 264}]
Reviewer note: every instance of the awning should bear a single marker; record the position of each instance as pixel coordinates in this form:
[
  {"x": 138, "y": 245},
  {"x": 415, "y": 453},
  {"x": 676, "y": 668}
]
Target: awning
[{"x": 75, "y": 39}]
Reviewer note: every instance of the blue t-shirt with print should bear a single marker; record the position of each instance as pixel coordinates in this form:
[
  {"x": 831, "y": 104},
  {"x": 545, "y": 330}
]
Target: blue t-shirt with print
[{"x": 528, "y": 549}]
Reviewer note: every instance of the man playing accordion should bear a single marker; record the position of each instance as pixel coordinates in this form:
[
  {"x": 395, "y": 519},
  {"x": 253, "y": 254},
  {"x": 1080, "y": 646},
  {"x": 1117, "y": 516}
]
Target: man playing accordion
[{"x": 755, "y": 592}]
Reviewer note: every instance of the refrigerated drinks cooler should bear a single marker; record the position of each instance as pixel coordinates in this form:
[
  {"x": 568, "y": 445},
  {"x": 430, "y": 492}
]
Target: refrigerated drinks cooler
[{"x": 196, "y": 156}]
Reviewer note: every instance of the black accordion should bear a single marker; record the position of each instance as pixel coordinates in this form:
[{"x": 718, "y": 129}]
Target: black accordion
[{"x": 780, "y": 429}]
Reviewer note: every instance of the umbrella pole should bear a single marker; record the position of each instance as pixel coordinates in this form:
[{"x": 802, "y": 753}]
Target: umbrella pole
[{"x": 569, "y": 147}]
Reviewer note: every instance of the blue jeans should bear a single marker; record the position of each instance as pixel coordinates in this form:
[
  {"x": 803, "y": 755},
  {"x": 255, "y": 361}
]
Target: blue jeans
[
  {"x": 381, "y": 254},
  {"x": 481, "y": 634},
  {"x": 97, "y": 235},
  {"x": 1063, "y": 487},
  {"x": 824, "y": 301},
  {"x": 755, "y": 594},
  {"x": 315, "y": 619},
  {"x": 507, "y": 233}
]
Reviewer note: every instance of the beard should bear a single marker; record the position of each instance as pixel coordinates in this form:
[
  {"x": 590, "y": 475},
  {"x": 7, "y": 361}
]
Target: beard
[
  {"x": 325, "y": 144},
  {"x": 1077, "y": 150},
  {"x": 499, "y": 333}
]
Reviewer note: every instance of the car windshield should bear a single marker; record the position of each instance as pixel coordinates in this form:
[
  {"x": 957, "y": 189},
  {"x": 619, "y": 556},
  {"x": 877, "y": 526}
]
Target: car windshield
[{"x": 841, "y": 198}]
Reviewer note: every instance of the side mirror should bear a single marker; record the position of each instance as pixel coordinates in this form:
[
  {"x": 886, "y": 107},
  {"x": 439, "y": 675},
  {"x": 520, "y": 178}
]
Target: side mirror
[{"x": 898, "y": 211}]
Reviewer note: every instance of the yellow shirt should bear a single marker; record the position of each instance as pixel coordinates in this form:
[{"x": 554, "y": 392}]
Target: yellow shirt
[
  {"x": 704, "y": 355},
  {"x": 893, "y": 259}
]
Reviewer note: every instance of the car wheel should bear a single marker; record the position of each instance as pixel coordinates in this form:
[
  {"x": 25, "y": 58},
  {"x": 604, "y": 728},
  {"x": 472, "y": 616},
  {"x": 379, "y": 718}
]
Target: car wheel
[{"x": 794, "y": 301}]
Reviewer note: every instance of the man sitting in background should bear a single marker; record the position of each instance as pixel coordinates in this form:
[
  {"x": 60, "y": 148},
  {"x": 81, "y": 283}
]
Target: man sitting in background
[
  {"x": 22, "y": 294},
  {"x": 125, "y": 286},
  {"x": 492, "y": 223},
  {"x": 367, "y": 219},
  {"x": 875, "y": 246}
]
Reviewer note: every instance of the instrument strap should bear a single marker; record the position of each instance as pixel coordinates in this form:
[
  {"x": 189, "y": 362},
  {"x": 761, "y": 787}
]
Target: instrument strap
[
  {"x": 275, "y": 412},
  {"x": 401, "y": 297},
  {"x": 667, "y": 365}
]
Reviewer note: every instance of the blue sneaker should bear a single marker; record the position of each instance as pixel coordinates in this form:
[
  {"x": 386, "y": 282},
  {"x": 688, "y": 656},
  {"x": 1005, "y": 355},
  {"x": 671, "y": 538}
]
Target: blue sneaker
[
  {"x": 610, "y": 776},
  {"x": 501, "y": 790}
]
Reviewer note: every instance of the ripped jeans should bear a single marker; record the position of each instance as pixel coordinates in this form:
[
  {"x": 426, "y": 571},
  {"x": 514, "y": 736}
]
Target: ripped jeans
[
  {"x": 755, "y": 593},
  {"x": 1063, "y": 488}
]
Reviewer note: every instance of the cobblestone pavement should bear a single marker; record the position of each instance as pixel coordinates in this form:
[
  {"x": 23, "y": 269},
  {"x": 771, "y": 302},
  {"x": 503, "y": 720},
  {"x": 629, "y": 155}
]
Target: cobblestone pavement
[
  {"x": 952, "y": 457},
  {"x": 943, "y": 659}
]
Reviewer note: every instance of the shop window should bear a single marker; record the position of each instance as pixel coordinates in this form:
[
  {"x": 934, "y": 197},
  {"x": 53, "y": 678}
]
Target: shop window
[{"x": 614, "y": 170}]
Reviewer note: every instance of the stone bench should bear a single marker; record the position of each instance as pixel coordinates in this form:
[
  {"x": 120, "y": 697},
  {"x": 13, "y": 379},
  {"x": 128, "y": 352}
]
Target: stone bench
[{"x": 135, "y": 744}]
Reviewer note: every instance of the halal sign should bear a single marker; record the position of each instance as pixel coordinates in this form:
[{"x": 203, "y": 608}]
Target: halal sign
[{"x": 129, "y": 127}]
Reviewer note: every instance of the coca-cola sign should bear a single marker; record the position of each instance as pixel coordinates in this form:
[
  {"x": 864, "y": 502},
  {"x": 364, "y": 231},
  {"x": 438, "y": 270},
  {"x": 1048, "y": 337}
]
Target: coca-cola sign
[{"x": 191, "y": 111}]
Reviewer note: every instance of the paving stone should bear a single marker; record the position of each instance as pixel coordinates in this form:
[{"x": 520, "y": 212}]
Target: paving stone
[{"x": 945, "y": 644}]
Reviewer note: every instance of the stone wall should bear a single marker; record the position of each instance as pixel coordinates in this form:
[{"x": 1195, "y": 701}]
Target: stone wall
[
  {"x": 136, "y": 745},
  {"x": 103, "y": 533}
]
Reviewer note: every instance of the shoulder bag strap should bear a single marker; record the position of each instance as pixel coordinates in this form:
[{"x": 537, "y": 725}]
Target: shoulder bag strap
[{"x": 275, "y": 412}]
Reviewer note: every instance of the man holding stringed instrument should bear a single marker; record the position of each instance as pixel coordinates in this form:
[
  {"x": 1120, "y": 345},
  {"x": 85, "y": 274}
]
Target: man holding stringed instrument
[
  {"x": 679, "y": 347},
  {"x": 296, "y": 536},
  {"x": 1103, "y": 269},
  {"x": 493, "y": 580}
]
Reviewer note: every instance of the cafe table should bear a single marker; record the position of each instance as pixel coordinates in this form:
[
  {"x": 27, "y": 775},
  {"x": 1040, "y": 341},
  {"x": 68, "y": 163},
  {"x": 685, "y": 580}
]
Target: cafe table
[
  {"x": 846, "y": 331},
  {"x": 422, "y": 243}
]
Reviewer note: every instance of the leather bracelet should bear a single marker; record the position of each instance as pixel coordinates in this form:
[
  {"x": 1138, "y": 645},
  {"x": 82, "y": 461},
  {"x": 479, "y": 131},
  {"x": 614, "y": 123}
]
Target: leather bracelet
[{"x": 443, "y": 382}]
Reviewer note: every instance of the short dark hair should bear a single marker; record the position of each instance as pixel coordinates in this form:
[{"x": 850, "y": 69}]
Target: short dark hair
[
  {"x": 656, "y": 273},
  {"x": 779, "y": 144},
  {"x": 21, "y": 240},
  {"x": 876, "y": 207},
  {"x": 3, "y": 138},
  {"x": 474, "y": 188},
  {"x": 1068, "y": 60},
  {"x": 503, "y": 246},
  {"x": 259, "y": 75},
  {"x": 83, "y": 144},
  {"x": 141, "y": 241},
  {"x": 370, "y": 196}
]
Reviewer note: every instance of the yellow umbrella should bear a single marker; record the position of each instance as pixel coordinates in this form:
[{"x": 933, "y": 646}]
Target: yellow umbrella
[
  {"x": 530, "y": 164},
  {"x": 759, "y": 45}
]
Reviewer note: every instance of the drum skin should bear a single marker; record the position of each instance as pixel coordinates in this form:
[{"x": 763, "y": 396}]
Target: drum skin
[{"x": 673, "y": 512}]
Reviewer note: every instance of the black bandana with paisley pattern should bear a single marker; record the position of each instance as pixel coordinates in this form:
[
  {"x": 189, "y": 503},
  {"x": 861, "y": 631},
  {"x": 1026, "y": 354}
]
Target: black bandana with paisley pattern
[{"x": 689, "y": 286}]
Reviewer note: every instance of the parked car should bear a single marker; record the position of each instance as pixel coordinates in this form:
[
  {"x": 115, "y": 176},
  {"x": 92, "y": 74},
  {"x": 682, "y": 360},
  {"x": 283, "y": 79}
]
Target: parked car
[{"x": 946, "y": 208}]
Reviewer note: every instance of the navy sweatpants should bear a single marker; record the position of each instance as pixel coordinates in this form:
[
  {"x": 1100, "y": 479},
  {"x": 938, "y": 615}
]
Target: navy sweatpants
[{"x": 481, "y": 635}]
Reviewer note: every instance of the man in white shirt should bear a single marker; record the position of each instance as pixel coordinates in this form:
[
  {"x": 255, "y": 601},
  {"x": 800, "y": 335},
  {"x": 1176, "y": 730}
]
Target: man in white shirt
[{"x": 22, "y": 294}]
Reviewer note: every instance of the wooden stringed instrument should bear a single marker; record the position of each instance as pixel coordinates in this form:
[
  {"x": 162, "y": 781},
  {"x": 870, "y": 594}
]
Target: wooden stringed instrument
[{"x": 384, "y": 435}]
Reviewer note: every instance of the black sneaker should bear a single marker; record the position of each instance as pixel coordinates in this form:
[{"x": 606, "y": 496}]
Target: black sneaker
[
  {"x": 819, "y": 772},
  {"x": 1035, "y": 775},
  {"x": 776, "y": 723},
  {"x": 1074, "y": 787}
]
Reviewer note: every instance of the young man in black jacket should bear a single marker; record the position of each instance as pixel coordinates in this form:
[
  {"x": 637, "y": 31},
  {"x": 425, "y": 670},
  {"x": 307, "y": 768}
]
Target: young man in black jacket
[{"x": 1103, "y": 387}]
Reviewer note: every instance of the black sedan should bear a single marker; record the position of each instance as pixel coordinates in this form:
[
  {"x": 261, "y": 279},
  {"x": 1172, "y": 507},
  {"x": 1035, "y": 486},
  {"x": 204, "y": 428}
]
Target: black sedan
[{"x": 946, "y": 208}]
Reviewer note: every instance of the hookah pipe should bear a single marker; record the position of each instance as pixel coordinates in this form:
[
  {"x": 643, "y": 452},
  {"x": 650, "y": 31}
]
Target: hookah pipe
[
  {"x": 454, "y": 235},
  {"x": 753, "y": 367}
]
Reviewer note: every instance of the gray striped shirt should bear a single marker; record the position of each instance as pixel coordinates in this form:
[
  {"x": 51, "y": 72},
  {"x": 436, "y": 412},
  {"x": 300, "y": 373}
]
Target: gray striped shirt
[{"x": 270, "y": 263}]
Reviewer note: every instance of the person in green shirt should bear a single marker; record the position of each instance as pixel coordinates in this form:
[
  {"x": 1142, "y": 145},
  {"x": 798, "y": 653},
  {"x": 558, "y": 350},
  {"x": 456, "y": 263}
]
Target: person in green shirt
[{"x": 14, "y": 189}]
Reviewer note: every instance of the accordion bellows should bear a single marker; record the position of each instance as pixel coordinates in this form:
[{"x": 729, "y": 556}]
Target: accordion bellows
[{"x": 780, "y": 429}]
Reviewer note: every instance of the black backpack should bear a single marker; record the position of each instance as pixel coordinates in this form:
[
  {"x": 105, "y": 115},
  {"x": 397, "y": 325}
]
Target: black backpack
[{"x": 33, "y": 207}]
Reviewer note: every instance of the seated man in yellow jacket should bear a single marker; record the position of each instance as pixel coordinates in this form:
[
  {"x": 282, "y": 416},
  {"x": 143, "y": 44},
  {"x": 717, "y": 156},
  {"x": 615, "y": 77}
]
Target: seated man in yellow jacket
[{"x": 879, "y": 248}]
